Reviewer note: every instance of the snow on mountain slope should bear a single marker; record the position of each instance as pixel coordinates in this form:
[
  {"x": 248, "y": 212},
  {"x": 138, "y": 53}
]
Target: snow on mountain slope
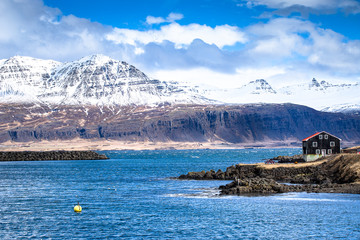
[
  {"x": 100, "y": 80},
  {"x": 323, "y": 95},
  {"x": 22, "y": 78},
  {"x": 319, "y": 95},
  {"x": 316, "y": 86},
  {"x": 344, "y": 108},
  {"x": 92, "y": 80},
  {"x": 259, "y": 86},
  {"x": 253, "y": 92}
]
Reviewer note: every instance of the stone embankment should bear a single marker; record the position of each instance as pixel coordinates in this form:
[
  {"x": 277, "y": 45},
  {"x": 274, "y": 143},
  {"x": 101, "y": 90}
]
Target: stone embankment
[
  {"x": 337, "y": 173},
  {"x": 51, "y": 155}
]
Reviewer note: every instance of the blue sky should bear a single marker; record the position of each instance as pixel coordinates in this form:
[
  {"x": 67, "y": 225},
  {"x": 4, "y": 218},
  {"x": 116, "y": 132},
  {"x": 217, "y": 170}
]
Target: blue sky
[
  {"x": 220, "y": 43},
  {"x": 132, "y": 14}
]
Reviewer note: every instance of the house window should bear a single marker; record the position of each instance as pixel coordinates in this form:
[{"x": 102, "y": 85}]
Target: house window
[
  {"x": 332, "y": 144},
  {"x": 329, "y": 151},
  {"x": 314, "y": 144},
  {"x": 326, "y": 136},
  {"x": 320, "y": 136},
  {"x": 318, "y": 151}
]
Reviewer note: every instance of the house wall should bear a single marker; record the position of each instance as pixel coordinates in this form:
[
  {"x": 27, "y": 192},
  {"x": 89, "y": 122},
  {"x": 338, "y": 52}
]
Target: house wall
[{"x": 311, "y": 157}]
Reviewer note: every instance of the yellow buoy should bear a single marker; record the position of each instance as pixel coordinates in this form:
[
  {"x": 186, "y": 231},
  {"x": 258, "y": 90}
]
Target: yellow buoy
[{"x": 77, "y": 208}]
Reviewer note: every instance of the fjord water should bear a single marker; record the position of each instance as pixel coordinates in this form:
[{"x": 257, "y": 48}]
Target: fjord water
[{"x": 132, "y": 196}]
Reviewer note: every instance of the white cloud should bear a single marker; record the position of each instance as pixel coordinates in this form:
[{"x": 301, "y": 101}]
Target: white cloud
[
  {"x": 139, "y": 51},
  {"x": 282, "y": 48},
  {"x": 209, "y": 77},
  {"x": 172, "y": 17},
  {"x": 293, "y": 40},
  {"x": 154, "y": 20},
  {"x": 30, "y": 28},
  {"x": 181, "y": 35},
  {"x": 352, "y": 6},
  {"x": 306, "y": 3}
]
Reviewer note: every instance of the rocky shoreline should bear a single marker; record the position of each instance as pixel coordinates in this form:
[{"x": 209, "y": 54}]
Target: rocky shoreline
[
  {"x": 50, "y": 155},
  {"x": 335, "y": 174}
]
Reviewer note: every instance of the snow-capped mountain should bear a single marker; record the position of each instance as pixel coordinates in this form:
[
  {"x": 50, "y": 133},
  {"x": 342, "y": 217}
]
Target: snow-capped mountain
[
  {"x": 100, "y": 80},
  {"x": 316, "y": 86},
  {"x": 23, "y": 78},
  {"x": 321, "y": 95},
  {"x": 344, "y": 108},
  {"x": 92, "y": 80}
]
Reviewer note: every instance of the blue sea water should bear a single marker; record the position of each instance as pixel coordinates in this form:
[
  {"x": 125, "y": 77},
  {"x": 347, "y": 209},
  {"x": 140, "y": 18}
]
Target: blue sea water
[{"x": 131, "y": 196}]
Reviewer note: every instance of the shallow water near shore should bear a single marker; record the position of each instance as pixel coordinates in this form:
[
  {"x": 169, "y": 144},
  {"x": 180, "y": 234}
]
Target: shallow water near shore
[{"x": 133, "y": 196}]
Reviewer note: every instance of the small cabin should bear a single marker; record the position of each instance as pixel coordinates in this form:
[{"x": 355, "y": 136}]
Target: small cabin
[{"x": 320, "y": 144}]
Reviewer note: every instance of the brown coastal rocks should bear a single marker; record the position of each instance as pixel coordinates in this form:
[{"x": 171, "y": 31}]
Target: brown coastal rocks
[{"x": 338, "y": 173}]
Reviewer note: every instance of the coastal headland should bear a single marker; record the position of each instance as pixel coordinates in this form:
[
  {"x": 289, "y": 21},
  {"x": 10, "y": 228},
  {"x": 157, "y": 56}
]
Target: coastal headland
[
  {"x": 50, "y": 155},
  {"x": 335, "y": 174}
]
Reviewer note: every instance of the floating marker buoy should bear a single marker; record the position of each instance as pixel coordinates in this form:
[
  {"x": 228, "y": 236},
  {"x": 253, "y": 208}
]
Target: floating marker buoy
[{"x": 77, "y": 208}]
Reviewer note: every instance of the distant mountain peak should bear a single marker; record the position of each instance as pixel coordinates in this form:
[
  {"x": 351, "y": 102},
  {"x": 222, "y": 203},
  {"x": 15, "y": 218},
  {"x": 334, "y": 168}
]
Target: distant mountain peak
[
  {"x": 95, "y": 58},
  {"x": 315, "y": 83},
  {"x": 260, "y": 86}
]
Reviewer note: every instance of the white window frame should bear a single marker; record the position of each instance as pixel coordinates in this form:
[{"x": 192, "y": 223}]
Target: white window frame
[
  {"x": 314, "y": 144},
  {"x": 317, "y": 151},
  {"x": 326, "y": 136},
  {"x": 329, "y": 151},
  {"x": 332, "y": 144},
  {"x": 320, "y": 136}
]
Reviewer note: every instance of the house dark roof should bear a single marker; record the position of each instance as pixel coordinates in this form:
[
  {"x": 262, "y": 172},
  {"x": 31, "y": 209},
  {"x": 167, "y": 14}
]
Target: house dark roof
[{"x": 305, "y": 139}]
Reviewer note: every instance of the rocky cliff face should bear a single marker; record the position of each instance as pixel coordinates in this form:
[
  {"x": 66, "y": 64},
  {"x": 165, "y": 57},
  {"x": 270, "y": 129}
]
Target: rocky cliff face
[{"x": 195, "y": 123}]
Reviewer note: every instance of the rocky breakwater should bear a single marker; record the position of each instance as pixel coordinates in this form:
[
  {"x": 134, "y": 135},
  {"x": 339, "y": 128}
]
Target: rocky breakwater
[
  {"x": 337, "y": 173},
  {"x": 51, "y": 155}
]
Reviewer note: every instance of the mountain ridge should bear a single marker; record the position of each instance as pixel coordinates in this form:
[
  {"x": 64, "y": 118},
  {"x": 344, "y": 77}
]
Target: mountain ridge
[
  {"x": 102, "y": 81},
  {"x": 92, "y": 80}
]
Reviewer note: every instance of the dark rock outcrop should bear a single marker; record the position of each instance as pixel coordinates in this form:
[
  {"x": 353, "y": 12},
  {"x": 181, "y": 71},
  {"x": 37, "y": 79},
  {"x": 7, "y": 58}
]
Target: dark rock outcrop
[
  {"x": 51, "y": 155},
  {"x": 289, "y": 159},
  {"x": 253, "y": 186},
  {"x": 338, "y": 173},
  {"x": 243, "y": 171}
]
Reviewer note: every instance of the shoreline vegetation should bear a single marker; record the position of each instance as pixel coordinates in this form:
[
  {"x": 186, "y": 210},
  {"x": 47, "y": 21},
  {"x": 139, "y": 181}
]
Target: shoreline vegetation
[
  {"x": 50, "y": 155},
  {"x": 338, "y": 173}
]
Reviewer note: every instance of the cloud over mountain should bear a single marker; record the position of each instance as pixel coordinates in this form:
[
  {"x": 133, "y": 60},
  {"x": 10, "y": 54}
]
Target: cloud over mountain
[
  {"x": 275, "y": 48},
  {"x": 348, "y": 6}
]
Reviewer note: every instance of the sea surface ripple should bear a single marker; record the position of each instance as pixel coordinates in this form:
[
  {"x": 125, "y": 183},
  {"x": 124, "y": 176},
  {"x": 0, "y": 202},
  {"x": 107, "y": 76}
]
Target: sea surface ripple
[{"x": 132, "y": 196}]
